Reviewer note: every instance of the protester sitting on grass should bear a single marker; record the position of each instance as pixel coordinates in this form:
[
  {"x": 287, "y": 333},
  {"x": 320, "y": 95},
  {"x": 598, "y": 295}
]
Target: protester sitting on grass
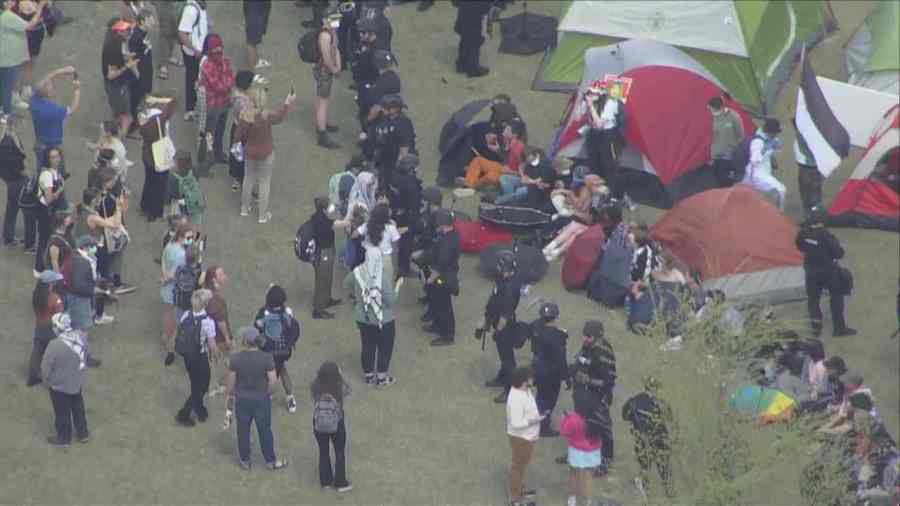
[{"x": 579, "y": 202}]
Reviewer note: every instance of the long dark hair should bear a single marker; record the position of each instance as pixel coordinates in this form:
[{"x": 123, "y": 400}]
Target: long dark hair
[
  {"x": 40, "y": 297},
  {"x": 378, "y": 220},
  {"x": 328, "y": 381}
]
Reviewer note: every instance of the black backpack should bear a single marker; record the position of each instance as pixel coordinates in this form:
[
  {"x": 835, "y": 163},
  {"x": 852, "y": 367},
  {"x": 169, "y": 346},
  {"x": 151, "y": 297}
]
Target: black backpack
[
  {"x": 305, "y": 247},
  {"x": 308, "y": 46},
  {"x": 185, "y": 284},
  {"x": 29, "y": 195},
  {"x": 740, "y": 157},
  {"x": 187, "y": 340}
]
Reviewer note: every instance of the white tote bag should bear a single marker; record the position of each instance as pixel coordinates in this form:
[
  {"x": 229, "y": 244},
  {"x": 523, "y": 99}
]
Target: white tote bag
[{"x": 163, "y": 151}]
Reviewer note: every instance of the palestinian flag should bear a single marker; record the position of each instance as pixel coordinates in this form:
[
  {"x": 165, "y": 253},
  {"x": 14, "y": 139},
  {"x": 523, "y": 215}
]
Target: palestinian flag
[{"x": 826, "y": 139}]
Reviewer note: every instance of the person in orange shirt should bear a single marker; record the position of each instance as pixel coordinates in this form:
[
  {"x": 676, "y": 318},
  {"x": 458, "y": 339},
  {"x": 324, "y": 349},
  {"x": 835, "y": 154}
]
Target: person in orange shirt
[{"x": 484, "y": 172}]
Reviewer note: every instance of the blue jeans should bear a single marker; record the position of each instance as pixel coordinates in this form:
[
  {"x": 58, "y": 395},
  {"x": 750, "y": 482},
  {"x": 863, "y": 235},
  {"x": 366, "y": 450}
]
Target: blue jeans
[
  {"x": 246, "y": 411},
  {"x": 511, "y": 189},
  {"x": 7, "y": 82}
]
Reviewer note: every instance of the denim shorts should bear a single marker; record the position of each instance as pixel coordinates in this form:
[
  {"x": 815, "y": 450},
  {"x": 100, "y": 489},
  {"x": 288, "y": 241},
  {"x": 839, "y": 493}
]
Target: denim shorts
[
  {"x": 167, "y": 293},
  {"x": 580, "y": 459}
]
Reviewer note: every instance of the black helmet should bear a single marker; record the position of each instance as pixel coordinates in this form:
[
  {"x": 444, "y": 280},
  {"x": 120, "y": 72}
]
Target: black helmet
[
  {"x": 549, "y": 311},
  {"x": 506, "y": 262},
  {"x": 816, "y": 216},
  {"x": 392, "y": 100},
  {"x": 408, "y": 163}
]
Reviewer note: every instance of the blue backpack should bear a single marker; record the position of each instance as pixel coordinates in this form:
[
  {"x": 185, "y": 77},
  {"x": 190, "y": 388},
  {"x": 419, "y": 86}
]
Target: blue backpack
[{"x": 280, "y": 332}]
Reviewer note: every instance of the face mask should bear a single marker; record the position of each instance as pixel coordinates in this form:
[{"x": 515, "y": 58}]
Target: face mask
[
  {"x": 535, "y": 162},
  {"x": 92, "y": 251},
  {"x": 188, "y": 242},
  {"x": 335, "y": 24}
]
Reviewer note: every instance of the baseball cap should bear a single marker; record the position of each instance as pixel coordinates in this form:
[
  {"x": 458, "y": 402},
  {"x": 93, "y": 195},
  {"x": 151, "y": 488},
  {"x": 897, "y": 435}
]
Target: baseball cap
[
  {"x": 593, "y": 328},
  {"x": 443, "y": 218},
  {"x": 249, "y": 335},
  {"x": 50, "y": 276}
]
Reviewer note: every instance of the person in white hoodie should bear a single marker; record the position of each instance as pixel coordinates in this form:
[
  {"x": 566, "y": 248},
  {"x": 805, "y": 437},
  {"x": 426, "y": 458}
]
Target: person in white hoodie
[
  {"x": 762, "y": 164},
  {"x": 523, "y": 426}
]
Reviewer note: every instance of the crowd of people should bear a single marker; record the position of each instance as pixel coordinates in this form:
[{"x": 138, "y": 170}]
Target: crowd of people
[{"x": 393, "y": 229}]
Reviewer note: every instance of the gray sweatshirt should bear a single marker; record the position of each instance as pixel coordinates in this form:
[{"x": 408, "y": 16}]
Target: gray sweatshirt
[{"x": 62, "y": 368}]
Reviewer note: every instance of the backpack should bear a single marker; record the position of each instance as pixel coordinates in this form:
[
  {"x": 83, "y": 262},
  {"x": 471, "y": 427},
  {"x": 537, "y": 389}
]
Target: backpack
[
  {"x": 187, "y": 340},
  {"x": 740, "y": 157},
  {"x": 308, "y": 46},
  {"x": 13, "y": 160},
  {"x": 280, "y": 332},
  {"x": 339, "y": 187},
  {"x": 327, "y": 414},
  {"x": 189, "y": 189},
  {"x": 185, "y": 284},
  {"x": 28, "y": 195},
  {"x": 305, "y": 247}
]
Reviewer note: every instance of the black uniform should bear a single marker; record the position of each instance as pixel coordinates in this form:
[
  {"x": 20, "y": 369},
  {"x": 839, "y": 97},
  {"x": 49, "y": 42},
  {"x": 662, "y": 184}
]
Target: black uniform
[
  {"x": 445, "y": 261},
  {"x": 548, "y": 348},
  {"x": 599, "y": 363},
  {"x": 821, "y": 250},
  {"x": 647, "y": 416},
  {"x": 469, "y": 19},
  {"x": 406, "y": 201},
  {"x": 371, "y": 93},
  {"x": 503, "y": 302},
  {"x": 391, "y": 134}
]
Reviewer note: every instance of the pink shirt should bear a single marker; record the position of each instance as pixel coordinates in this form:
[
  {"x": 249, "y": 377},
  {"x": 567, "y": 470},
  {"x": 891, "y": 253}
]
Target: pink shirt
[{"x": 573, "y": 429}]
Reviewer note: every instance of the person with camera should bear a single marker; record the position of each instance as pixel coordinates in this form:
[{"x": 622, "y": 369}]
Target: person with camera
[
  {"x": 522, "y": 427},
  {"x": 594, "y": 377},
  {"x": 443, "y": 283},
  {"x": 323, "y": 263},
  {"x": 51, "y": 198},
  {"x": 500, "y": 316},
  {"x": 248, "y": 398},
  {"x": 49, "y": 117},
  {"x": 405, "y": 195},
  {"x": 603, "y": 137},
  {"x": 821, "y": 252},
  {"x": 548, "y": 348}
]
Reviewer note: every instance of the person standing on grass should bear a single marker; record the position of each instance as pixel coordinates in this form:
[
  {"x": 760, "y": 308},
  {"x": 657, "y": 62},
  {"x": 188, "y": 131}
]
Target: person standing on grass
[
  {"x": 214, "y": 280},
  {"x": 248, "y": 396},
  {"x": 523, "y": 424},
  {"x": 280, "y": 331},
  {"x": 168, "y": 36},
  {"x": 200, "y": 329},
  {"x": 154, "y": 124},
  {"x": 217, "y": 80},
  {"x": 48, "y": 117},
  {"x": 141, "y": 49},
  {"x": 324, "y": 261},
  {"x": 239, "y": 101},
  {"x": 192, "y": 30},
  {"x": 582, "y": 433},
  {"x": 52, "y": 198},
  {"x": 255, "y": 132},
  {"x": 12, "y": 171},
  {"x": 47, "y": 302},
  {"x": 174, "y": 256},
  {"x": 14, "y": 37},
  {"x": 63, "y": 366},
  {"x": 727, "y": 133},
  {"x": 329, "y": 391},
  {"x": 649, "y": 417},
  {"x": 372, "y": 287},
  {"x": 256, "y": 21},
  {"x": 119, "y": 69},
  {"x": 324, "y": 71}
]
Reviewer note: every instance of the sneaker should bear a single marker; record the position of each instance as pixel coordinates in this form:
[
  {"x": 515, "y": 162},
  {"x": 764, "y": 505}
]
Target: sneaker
[
  {"x": 501, "y": 399},
  {"x": 170, "y": 357},
  {"x": 494, "y": 383},
  {"x": 369, "y": 379},
  {"x": 291, "y": 404},
  {"x": 639, "y": 485},
  {"x": 35, "y": 273},
  {"x": 104, "y": 319},
  {"x": 245, "y": 464},
  {"x": 673, "y": 344},
  {"x": 31, "y": 251},
  {"x": 277, "y": 464},
  {"x": 344, "y": 488},
  {"x": 261, "y": 63},
  {"x": 124, "y": 288},
  {"x": 264, "y": 219},
  {"x": 14, "y": 242},
  {"x": 258, "y": 79},
  {"x": 57, "y": 442},
  {"x": 84, "y": 439},
  {"x": 219, "y": 390},
  {"x": 847, "y": 332},
  {"x": 235, "y": 186},
  {"x": 245, "y": 213},
  {"x": 331, "y": 129},
  {"x": 326, "y": 141},
  {"x": 385, "y": 381},
  {"x": 93, "y": 363},
  {"x": 189, "y": 116}
]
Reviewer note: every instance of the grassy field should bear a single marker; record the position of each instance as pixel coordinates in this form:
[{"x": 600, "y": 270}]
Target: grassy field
[{"x": 434, "y": 437}]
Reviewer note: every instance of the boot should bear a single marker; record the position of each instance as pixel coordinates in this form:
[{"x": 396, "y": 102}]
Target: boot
[{"x": 326, "y": 142}]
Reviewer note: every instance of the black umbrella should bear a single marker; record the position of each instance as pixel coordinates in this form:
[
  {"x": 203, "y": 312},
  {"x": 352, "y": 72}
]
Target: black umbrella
[
  {"x": 527, "y": 33},
  {"x": 455, "y": 143},
  {"x": 531, "y": 265}
]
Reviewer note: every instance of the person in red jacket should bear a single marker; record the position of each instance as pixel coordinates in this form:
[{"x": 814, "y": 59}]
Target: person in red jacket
[
  {"x": 582, "y": 432},
  {"x": 216, "y": 82}
]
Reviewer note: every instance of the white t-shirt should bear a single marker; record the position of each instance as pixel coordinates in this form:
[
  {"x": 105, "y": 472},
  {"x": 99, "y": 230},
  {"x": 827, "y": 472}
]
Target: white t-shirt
[
  {"x": 521, "y": 407},
  {"x": 197, "y": 28},
  {"x": 207, "y": 329},
  {"x": 46, "y": 181},
  {"x": 608, "y": 114},
  {"x": 388, "y": 238}
]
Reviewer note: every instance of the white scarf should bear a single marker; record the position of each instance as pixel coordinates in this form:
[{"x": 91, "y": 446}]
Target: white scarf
[
  {"x": 368, "y": 277},
  {"x": 91, "y": 260},
  {"x": 72, "y": 339}
]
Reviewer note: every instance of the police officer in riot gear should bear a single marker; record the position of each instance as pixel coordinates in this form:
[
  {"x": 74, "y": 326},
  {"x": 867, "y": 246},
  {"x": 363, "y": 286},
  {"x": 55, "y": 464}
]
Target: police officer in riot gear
[
  {"x": 500, "y": 318},
  {"x": 432, "y": 199},
  {"x": 394, "y": 137},
  {"x": 548, "y": 347},
  {"x": 405, "y": 196},
  {"x": 821, "y": 251},
  {"x": 443, "y": 282},
  {"x": 594, "y": 375}
]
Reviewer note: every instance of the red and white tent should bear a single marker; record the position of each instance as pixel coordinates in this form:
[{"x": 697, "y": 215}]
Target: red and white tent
[
  {"x": 870, "y": 199},
  {"x": 668, "y": 127}
]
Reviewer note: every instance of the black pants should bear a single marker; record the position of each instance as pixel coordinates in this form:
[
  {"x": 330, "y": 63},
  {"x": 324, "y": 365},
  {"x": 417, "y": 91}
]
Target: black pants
[
  {"x": 651, "y": 450},
  {"x": 44, "y": 216},
  {"x": 328, "y": 476},
  {"x": 154, "y": 191},
  {"x": 43, "y": 334},
  {"x": 588, "y": 401},
  {"x": 440, "y": 304},
  {"x": 30, "y": 218},
  {"x": 603, "y": 153},
  {"x": 68, "y": 410},
  {"x": 404, "y": 252},
  {"x": 726, "y": 176},
  {"x": 469, "y": 52},
  {"x": 12, "y": 210},
  {"x": 198, "y": 373},
  {"x": 191, "y": 72},
  {"x": 377, "y": 346},
  {"x": 809, "y": 183},
  {"x": 547, "y": 395},
  {"x": 507, "y": 354},
  {"x": 816, "y": 282}
]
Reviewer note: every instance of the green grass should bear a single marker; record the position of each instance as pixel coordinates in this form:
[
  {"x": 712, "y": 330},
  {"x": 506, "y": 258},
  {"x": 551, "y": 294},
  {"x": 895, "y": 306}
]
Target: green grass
[{"x": 434, "y": 437}]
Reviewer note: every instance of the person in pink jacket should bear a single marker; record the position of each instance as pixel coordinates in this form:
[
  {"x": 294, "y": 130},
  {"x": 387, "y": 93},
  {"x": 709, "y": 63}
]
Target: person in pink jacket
[{"x": 582, "y": 434}]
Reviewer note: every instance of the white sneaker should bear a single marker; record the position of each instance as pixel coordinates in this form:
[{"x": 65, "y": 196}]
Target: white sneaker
[
  {"x": 245, "y": 213},
  {"x": 261, "y": 63},
  {"x": 291, "y": 404},
  {"x": 216, "y": 391},
  {"x": 189, "y": 116},
  {"x": 103, "y": 320},
  {"x": 258, "y": 79},
  {"x": 35, "y": 273},
  {"x": 265, "y": 218},
  {"x": 673, "y": 344},
  {"x": 639, "y": 485}
]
